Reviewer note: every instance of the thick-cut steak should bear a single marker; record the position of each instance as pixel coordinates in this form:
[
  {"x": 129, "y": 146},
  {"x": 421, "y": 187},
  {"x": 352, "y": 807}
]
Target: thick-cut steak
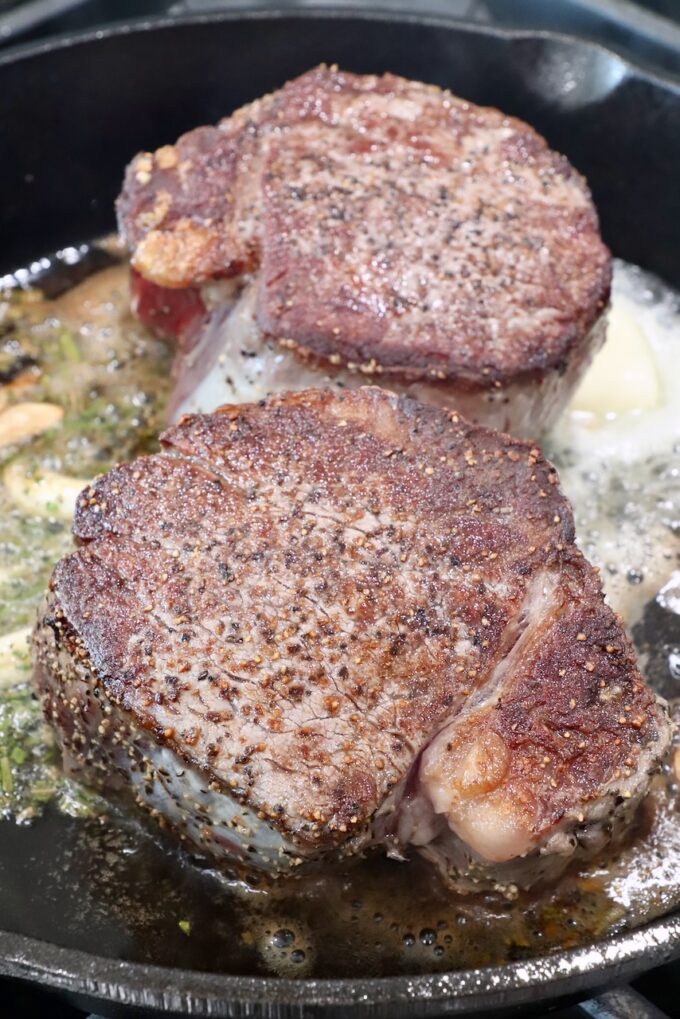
[
  {"x": 377, "y": 227},
  {"x": 328, "y": 621}
]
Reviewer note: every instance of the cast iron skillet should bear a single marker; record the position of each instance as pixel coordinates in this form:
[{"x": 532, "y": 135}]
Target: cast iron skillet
[{"x": 72, "y": 112}]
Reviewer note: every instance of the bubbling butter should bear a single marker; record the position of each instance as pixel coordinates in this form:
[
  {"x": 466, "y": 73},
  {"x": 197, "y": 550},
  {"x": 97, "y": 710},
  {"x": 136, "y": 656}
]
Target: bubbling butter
[
  {"x": 623, "y": 376},
  {"x": 628, "y": 405},
  {"x": 617, "y": 447}
]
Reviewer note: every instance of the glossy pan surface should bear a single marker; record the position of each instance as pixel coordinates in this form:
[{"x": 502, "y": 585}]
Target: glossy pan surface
[{"x": 72, "y": 112}]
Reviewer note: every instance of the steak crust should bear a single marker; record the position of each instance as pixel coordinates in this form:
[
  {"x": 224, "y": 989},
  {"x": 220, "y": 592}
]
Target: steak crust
[
  {"x": 395, "y": 230},
  {"x": 327, "y": 621}
]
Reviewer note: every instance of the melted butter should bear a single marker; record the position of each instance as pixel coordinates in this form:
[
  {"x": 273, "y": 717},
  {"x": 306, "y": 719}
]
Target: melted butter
[
  {"x": 623, "y": 376},
  {"x": 117, "y": 882},
  {"x": 620, "y": 468},
  {"x": 88, "y": 386}
]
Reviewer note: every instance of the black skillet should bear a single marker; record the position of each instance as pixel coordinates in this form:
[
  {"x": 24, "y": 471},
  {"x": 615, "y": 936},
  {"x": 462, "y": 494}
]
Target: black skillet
[{"x": 72, "y": 112}]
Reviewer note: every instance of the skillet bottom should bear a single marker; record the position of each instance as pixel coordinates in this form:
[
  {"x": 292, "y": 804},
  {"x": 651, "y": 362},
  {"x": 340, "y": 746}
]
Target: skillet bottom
[
  {"x": 105, "y": 880},
  {"x": 581, "y": 97}
]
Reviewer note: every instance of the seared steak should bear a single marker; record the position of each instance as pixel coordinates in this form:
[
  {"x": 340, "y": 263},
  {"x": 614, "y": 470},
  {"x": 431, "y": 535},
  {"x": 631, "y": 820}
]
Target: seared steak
[
  {"x": 330, "y": 621},
  {"x": 384, "y": 228}
]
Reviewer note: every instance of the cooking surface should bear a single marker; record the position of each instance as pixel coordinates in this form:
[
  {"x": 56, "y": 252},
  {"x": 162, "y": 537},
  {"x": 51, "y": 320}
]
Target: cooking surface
[
  {"x": 654, "y": 617},
  {"x": 643, "y": 30},
  {"x": 83, "y": 871}
]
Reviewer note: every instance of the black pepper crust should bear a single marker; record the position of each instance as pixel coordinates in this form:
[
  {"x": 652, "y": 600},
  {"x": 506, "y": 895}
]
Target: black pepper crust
[
  {"x": 396, "y": 228},
  {"x": 296, "y": 595}
]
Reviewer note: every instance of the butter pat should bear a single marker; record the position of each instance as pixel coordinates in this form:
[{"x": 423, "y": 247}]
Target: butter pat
[{"x": 623, "y": 376}]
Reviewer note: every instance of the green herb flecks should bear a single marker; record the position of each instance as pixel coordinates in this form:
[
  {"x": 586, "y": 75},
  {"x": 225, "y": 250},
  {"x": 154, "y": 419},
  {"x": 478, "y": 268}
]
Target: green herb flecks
[{"x": 111, "y": 378}]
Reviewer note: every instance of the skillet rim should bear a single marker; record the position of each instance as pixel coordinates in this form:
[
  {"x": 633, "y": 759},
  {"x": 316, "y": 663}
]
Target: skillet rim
[
  {"x": 66, "y": 40},
  {"x": 563, "y": 972},
  {"x": 613, "y": 960}
]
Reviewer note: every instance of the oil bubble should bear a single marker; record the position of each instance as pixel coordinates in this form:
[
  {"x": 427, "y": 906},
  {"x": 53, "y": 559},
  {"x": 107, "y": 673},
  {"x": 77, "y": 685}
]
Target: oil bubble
[{"x": 282, "y": 938}]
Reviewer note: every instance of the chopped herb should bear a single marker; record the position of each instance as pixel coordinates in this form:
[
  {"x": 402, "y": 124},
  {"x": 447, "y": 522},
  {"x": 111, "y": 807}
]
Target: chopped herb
[
  {"x": 69, "y": 347},
  {"x": 6, "y": 775},
  {"x": 114, "y": 404},
  {"x": 185, "y": 927}
]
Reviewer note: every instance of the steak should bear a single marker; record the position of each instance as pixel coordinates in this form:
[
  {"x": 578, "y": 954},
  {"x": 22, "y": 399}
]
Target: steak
[
  {"x": 332, "y": 621},
  {"x": 361, "y": 227}
]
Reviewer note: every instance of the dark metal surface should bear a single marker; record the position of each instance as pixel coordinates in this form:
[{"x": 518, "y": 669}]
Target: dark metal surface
[
  {"x": 495, "y": 990},
  {"x": 18, "y": 19},
  {"x": 624, "y": 26},
  {"x": 20, "y": 1001},
  {"x": 644, "y": 30},
  {"x": 75, "y": 110}
]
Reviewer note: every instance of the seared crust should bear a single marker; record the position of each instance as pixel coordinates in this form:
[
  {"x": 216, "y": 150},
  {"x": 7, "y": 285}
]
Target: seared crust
[
  {"x": 397, "y": 229},
  {"x": 299, "y": 595}
]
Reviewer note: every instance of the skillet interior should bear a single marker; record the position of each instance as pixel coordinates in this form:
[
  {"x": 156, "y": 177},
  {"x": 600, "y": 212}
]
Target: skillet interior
[{"x": 72, "y": 115}]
